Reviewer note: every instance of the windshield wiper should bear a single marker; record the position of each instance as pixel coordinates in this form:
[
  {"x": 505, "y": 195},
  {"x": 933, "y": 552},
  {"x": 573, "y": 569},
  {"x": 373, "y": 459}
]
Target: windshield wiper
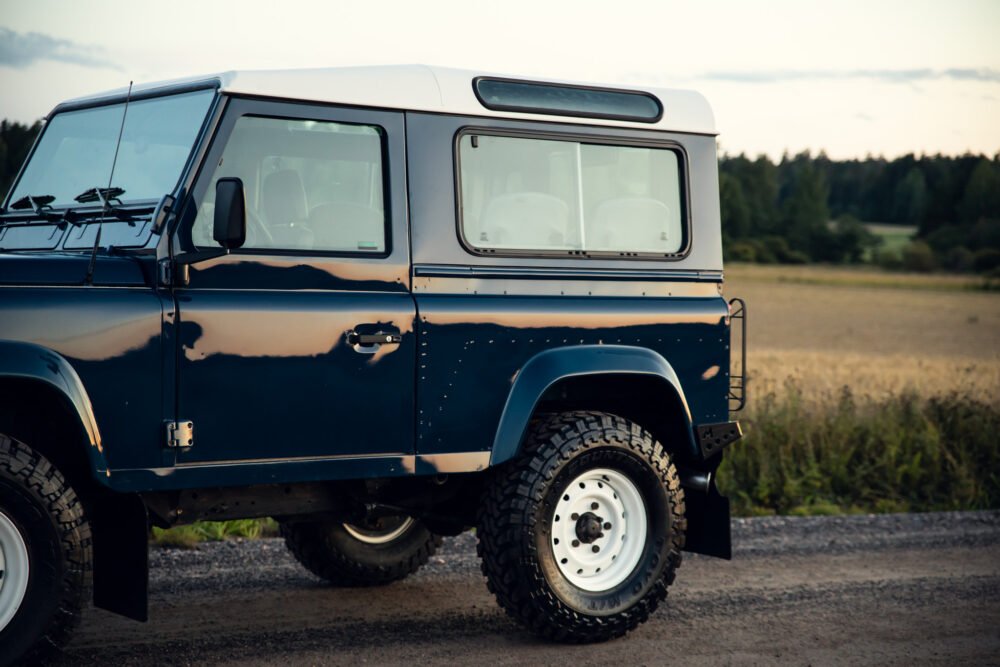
[
  {"x": 41, "y": 205},
  {"x": 35, "y": 202},
  {"x": 103, "y": 195},
  {"x": 106, "y": 196}
]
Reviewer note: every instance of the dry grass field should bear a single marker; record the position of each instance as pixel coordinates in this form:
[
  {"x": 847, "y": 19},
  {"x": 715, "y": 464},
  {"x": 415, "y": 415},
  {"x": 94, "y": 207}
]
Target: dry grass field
[{"x": 877, "y": 333}]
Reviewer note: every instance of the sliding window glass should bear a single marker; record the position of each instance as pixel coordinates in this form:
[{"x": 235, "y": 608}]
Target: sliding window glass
[{"x": 523, "y": 194}]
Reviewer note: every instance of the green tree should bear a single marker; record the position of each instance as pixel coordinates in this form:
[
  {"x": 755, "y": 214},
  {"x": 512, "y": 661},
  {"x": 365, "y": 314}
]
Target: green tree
[
  {"x": 805, "y": 212},
  {"x": 909, "y": 200},
  {"x": 981, "y": 198},
  {"x": 15, "y": 142},
  {"x": 918, "y": 256},
  {"x": 734, "y": 209}
]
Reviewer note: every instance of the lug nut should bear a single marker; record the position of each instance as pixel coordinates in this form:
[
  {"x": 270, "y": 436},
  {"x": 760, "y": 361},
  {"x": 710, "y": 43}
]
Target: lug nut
[
  {"x": 594, "y": 506},
  {"x": 595, "y": 548},
  {"x": 607, "y": 525},
  {"x": 576, "y": 543},
  {"x": 574, "y": 516}
]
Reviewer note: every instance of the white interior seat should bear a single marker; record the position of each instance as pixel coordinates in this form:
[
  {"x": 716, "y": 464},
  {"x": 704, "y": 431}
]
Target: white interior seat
[
  {"x": 632, "y": 223},
  {"x": 524, "y": 220}
]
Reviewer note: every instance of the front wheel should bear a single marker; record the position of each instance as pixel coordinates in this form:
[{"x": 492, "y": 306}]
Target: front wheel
[
  {"x": 344, "y": 554},
  {"x": 581, "y": 534},
  {"x": 45, "y": 556}
]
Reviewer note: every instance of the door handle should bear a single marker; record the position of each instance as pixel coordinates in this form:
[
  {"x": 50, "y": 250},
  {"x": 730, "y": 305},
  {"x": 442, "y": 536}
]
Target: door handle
[{"x": 369, "y": 343}]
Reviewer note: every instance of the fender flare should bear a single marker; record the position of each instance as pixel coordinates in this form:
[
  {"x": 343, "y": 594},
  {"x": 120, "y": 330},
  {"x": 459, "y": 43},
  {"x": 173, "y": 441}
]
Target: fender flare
[
  {"x": 28, "y": 361},
  {"x": 549, "y": 367}
]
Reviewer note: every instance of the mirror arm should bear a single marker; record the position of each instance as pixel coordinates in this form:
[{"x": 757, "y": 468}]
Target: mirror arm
[{"x": 200, "y": 255}]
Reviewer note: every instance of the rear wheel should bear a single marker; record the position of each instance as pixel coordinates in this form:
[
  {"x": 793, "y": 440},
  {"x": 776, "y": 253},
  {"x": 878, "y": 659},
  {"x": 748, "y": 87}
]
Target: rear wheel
[
  {"x": 45, "y": 555},
  {"x": 581, "y": 534},
  {"x": 374, "y": 554}
]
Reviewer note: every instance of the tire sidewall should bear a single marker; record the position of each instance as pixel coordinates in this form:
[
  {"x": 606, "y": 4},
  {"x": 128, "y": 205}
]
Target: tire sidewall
[
  {"x": 46, "y": 564},
  {"x": 648, "y": 571}
]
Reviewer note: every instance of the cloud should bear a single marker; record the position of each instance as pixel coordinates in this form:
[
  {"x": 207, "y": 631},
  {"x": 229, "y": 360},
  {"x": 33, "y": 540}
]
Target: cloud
[
  {"x": 23, "y": 49},
  {"x": 984, "y": 74}
]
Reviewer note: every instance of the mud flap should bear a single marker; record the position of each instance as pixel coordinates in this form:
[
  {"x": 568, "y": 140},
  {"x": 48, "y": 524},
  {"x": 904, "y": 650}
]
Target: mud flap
[
  {"x": 708, "y": 522},
  {"x": 121, "y": 556}
]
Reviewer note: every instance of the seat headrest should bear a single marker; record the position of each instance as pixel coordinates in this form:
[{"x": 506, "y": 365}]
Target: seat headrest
[
  {"x": 531, "y": 219},
  {"x": 631, "y": 223}
]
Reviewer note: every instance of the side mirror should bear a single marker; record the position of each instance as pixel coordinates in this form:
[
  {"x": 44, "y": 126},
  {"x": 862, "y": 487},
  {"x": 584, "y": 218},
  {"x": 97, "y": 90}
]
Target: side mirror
[{"x": 230, "y": 230}]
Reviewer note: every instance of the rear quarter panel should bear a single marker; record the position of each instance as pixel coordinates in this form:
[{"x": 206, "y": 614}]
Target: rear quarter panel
[{"x": 472, "y": 347}]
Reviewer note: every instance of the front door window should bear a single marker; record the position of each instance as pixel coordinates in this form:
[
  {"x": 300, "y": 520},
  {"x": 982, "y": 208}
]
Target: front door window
[{"x": 311, "y": 186}]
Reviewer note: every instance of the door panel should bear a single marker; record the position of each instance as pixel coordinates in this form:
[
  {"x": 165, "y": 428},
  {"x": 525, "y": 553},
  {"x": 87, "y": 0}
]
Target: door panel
[
  {"x": 269, "y": 374},
  {"x": 267, "y": 364}
]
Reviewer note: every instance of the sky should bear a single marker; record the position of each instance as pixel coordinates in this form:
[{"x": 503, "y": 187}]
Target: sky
[{"x": 847, "y": 77}]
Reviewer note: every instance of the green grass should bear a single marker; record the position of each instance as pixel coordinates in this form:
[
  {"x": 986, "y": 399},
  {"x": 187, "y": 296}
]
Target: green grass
[
  {"x": 892, "y": 238},
  {"x": 188, "y": 536},
  {"x": 903, "y": 453}
]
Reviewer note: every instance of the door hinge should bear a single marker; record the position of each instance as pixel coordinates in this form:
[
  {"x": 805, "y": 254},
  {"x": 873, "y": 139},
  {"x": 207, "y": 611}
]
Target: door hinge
[
  {"x": 172, "y": 274},
  {"x": 166, "y": 273},
  {"x": 180, "y": 434}
]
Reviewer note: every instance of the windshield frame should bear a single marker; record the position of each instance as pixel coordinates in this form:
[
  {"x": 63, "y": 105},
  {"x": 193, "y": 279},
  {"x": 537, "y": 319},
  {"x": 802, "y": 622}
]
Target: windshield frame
[{"x": 109, "y": 100}]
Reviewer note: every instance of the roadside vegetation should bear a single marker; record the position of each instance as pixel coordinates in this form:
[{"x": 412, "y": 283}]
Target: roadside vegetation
[
  {"x": 869, "y": 392},
  {"x": 850, "y": 453},
  {"x": 190, "y": 535}
]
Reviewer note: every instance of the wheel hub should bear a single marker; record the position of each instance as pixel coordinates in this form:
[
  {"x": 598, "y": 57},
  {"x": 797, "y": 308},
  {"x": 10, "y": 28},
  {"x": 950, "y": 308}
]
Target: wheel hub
[
  {"x": 588, "y": 527},
  {"x": 598, "y": 530}
]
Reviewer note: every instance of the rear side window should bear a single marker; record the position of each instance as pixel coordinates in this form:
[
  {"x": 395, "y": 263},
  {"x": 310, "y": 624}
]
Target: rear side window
[{"x": 545, "y": 195}]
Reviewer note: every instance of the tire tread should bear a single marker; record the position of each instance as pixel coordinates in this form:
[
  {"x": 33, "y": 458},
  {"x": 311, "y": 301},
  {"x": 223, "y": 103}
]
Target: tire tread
[
  {"x": 506, "y": 523},
  {"x": 39, "y": 478},
  {"x": 311, "y": 545}
]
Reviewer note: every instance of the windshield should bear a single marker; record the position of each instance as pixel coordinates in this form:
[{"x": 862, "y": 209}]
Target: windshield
[{"x": 77, "y": 148}]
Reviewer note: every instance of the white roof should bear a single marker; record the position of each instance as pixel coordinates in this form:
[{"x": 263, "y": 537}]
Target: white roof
[{"x": 424, "y": 88}]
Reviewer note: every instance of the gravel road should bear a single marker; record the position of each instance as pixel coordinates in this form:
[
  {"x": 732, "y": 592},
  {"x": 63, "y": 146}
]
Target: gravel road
[{"x": 892, "y": 589}]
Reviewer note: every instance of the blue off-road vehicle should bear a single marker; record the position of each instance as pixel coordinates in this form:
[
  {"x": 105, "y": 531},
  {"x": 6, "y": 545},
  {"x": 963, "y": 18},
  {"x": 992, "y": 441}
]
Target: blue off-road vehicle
[{"x": 380, "y": 305}]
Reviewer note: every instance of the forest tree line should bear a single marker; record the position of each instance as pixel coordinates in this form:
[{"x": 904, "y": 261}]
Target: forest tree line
[{"x": 808, "y": 208}]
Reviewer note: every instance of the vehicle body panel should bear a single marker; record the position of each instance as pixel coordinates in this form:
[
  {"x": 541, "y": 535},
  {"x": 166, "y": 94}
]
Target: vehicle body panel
[
  {"x": 473, "y": 349},
  {"x": 111, "y": 339}
]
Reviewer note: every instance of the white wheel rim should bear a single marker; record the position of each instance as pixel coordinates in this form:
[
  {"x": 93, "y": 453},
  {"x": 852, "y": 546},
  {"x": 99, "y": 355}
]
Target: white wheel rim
[
  {"x": 14, "y": 566},
  {"x": 378, "y": 537},
  {"x": 598, "y": 562}
]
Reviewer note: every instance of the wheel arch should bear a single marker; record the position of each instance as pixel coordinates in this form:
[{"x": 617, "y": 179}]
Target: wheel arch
[
  {"x": 43, "y": 402},
  {"x": 592, "y": 377}
]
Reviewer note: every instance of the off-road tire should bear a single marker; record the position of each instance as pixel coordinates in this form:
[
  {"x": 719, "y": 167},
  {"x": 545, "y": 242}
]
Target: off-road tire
[
  {"x": 327, "y": 550},
  {"x": 513, "y": 528},
  {"x": 50, "y": 518}
]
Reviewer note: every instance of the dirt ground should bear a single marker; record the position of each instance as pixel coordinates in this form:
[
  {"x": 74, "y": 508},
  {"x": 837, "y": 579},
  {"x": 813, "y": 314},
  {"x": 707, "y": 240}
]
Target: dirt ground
[{"x": 880, "y": 590}]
